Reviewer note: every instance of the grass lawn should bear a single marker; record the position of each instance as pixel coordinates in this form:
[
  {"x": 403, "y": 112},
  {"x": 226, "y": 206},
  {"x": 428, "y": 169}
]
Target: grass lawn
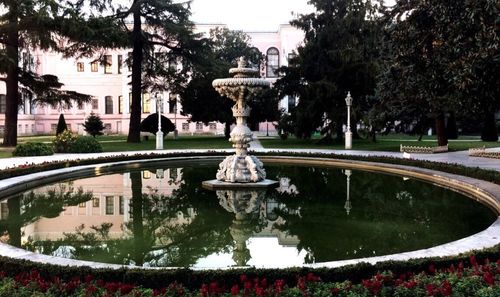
[
  {"x": 116, "y": 144},
  {"x": 385, "y": 143}
]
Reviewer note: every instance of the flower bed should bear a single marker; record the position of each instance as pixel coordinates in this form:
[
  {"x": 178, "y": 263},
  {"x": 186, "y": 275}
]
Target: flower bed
[{"x": 469, "y": 278}]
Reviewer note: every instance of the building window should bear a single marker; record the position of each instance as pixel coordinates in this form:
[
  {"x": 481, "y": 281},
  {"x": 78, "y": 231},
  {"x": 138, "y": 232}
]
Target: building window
[
  {"x": 3, "y": 103},
  {"x": 94, "y": 66},
  {"x": 121, "y": 205},
  {"x": 273, "y": 62},
  {"x": 146, "y": 103},
  {"x": 146, "y": 174},
  {"x": 120, "y": 104},
  {"x": 173, "y": 174},
  {"x": 212, "y": 126},
  {"x": 110, "y": 205},
  {"x": 95, "y": 202},
  {"x": 172, "y": 103},
  {"x": 120, "y": 64},
  {"x": 185, "y": 126},
  {"x": 80, "y": 67},
  {"x": 108, "y": 105},
  {"x": 107, "y": 128},
  {"x": 108, "y": 59},
  {"x": 199, "y": 126},
  {"x": 95, "y": 103},
  {"x": 82, "y": 204},
  {"x": 53, "y": 128}
]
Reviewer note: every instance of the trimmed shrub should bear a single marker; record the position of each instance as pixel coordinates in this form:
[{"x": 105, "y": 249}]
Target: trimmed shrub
[
  {"x": 150, "y": 124},
  {"x": 93, "y": 125},
  {"x": 61, "y": 125},
  {"x": 33, "y": 149},
  {"x": 64, "y": 141},
  {"x": 85, "y": 144}
]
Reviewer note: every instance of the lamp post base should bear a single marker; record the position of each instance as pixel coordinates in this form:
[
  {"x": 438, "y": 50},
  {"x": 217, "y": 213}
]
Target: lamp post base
[
  {"x": 159, "y": 140},
  {"x": 348, "y": 140}
]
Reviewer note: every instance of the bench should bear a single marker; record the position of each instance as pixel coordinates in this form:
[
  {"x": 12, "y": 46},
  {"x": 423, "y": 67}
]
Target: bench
[{"x": 423, "y": 149}]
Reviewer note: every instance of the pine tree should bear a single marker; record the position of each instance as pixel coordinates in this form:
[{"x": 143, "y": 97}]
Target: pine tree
[
  {"x": 93, "y": 125},
  {"x": 27, "y": 25},
  {"x": 61, "y": 124},
  {"x": 339, "y": 55}
]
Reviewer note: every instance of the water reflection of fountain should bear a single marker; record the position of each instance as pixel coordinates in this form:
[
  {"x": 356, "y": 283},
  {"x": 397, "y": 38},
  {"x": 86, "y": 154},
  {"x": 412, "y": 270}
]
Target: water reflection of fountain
[{"x": 245, "y": 204}]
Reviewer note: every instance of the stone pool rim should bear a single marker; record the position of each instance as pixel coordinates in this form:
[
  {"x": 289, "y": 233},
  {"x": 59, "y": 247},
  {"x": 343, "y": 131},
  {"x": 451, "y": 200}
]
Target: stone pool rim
[{"x": 485, "y": 192}]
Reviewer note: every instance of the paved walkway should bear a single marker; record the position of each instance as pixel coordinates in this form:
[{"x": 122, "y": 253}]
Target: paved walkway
[{"x": 460, "y": 157}]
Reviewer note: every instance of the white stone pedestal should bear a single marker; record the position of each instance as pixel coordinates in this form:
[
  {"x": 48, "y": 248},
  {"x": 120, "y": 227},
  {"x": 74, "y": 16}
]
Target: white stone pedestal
[
  {"x": 348, "y": 140},
  {"x": 159, "y": 140}
]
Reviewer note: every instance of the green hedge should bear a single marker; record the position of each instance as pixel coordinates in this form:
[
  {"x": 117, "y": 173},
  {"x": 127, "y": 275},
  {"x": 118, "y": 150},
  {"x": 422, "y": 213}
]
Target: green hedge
[
  {"x": 156, "y": 278},
  {"x": 33, "y": 149},
  {"x": 85, "y": 144},
  {"x": 474, "y": 172}
]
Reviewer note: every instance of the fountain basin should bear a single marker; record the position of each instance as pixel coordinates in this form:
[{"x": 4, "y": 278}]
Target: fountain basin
[{"x": 458, "y": 183}]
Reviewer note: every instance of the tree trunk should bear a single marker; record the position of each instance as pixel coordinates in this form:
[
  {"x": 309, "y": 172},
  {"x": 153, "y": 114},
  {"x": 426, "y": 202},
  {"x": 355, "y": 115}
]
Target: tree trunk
[
  {"x": 134, "y": 132},
  {"x": 227, "y": 130},
  {"x": 137, "y": 224},
  {"x": 14, "y": 221},
  {"x": 12, "y": 79},
  {"x": 441, "y": 130},
  {"x": 489, "y": 131},
  {"x": 339, "y": 132}
]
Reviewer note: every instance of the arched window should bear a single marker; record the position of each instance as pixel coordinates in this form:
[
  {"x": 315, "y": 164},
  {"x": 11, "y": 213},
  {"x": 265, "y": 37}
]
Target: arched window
[
  {"x": 108, "y": 105},
  {"x": 273, "y": 62}
]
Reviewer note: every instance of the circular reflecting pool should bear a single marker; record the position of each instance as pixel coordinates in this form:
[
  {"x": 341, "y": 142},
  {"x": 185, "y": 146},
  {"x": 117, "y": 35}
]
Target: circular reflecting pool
[{"x": 161, "y": 216}]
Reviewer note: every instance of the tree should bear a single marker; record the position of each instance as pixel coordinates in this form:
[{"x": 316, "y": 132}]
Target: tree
[
  {"x": 61, "y": 124},
  {"x": 93, "y": 125},
  {"x": 27, "y": 25},
  {"x": 199, "y": 99},
  {"x": 442, "y": 58},
  {"x": 339, "y": 55}
]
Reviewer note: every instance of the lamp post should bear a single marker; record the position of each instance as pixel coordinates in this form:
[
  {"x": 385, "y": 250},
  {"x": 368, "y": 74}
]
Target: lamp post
[
  {"x": 159, "y": 134},
  {"x": 347, "y": 205},
  {"x": 348, "y": 133}
]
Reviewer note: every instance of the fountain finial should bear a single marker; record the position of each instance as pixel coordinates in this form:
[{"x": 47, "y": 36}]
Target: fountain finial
[{"x": 242, "y": 62}]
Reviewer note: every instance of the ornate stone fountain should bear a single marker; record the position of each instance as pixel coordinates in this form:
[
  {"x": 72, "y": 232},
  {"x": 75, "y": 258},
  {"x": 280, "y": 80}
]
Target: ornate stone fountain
[{"x": 240, "y": 169}]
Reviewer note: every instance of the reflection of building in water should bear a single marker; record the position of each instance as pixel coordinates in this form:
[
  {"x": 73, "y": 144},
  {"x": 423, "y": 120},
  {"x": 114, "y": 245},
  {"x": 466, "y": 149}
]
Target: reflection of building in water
[{"x": 111, "y": 203}]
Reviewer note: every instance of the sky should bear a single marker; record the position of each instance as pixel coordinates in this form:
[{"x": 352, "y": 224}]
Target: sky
[{"x": 248, "y": 15}]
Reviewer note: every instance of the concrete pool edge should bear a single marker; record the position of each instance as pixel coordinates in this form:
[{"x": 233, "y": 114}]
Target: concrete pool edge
[{"x": 487, "y": 193}]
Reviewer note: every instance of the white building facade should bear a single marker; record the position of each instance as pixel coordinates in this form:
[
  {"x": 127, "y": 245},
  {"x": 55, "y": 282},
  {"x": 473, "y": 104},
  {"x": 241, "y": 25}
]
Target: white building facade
[{"x": 109, "y": 86}]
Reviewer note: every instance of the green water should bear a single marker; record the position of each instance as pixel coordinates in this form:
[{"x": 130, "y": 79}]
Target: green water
[{"x": 162, "y": 217}]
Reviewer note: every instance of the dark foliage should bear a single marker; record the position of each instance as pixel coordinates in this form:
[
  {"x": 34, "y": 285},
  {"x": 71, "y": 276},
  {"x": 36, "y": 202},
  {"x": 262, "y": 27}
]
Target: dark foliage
[{"x": 150, "y": 124}]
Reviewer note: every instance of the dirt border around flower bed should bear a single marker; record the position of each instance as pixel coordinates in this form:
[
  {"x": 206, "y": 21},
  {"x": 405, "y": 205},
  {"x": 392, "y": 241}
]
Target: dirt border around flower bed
[{"x": 485, "y": 192}]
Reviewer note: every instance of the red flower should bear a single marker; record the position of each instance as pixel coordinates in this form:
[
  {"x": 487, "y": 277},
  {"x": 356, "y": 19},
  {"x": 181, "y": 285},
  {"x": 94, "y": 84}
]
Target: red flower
[
  {"x": 260, "y": 291},
  {"x": 312, "y": 278},
  {"x": 489, "y": 279},
  {"x": 243, "y": 278},
  {"x": 204, "y": 290},
  {"x": 446, "y": 288},
  {"x": 248, "y": 285},
  {"x": 301, "y": 284},
  {"x": 235, "y": 290},
  {"x": 263, "y": 283},
  {"x": 410, "y": 284},
  {"x": 278, "y": 285},
  {"x": 431, "y": 269},
  {"x": 126, "y": 288},
  {"x": 335, "y": 291},
  {"x": 89, "y": 278},
  {"x": 430, "y": 289},
  {"x": 472, "y": 260}
]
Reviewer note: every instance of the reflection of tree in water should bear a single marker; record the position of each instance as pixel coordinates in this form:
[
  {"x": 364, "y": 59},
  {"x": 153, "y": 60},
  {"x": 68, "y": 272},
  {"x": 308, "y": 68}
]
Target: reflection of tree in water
[
  {"x": 380, "y": 222},
  {"x": 27, "y": 208},
  {"x": 163, "y": 230}
]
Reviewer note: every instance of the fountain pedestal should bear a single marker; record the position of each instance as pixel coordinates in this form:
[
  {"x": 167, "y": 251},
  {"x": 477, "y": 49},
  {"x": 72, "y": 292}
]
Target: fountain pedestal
[{"x": 240, "y": 169}]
